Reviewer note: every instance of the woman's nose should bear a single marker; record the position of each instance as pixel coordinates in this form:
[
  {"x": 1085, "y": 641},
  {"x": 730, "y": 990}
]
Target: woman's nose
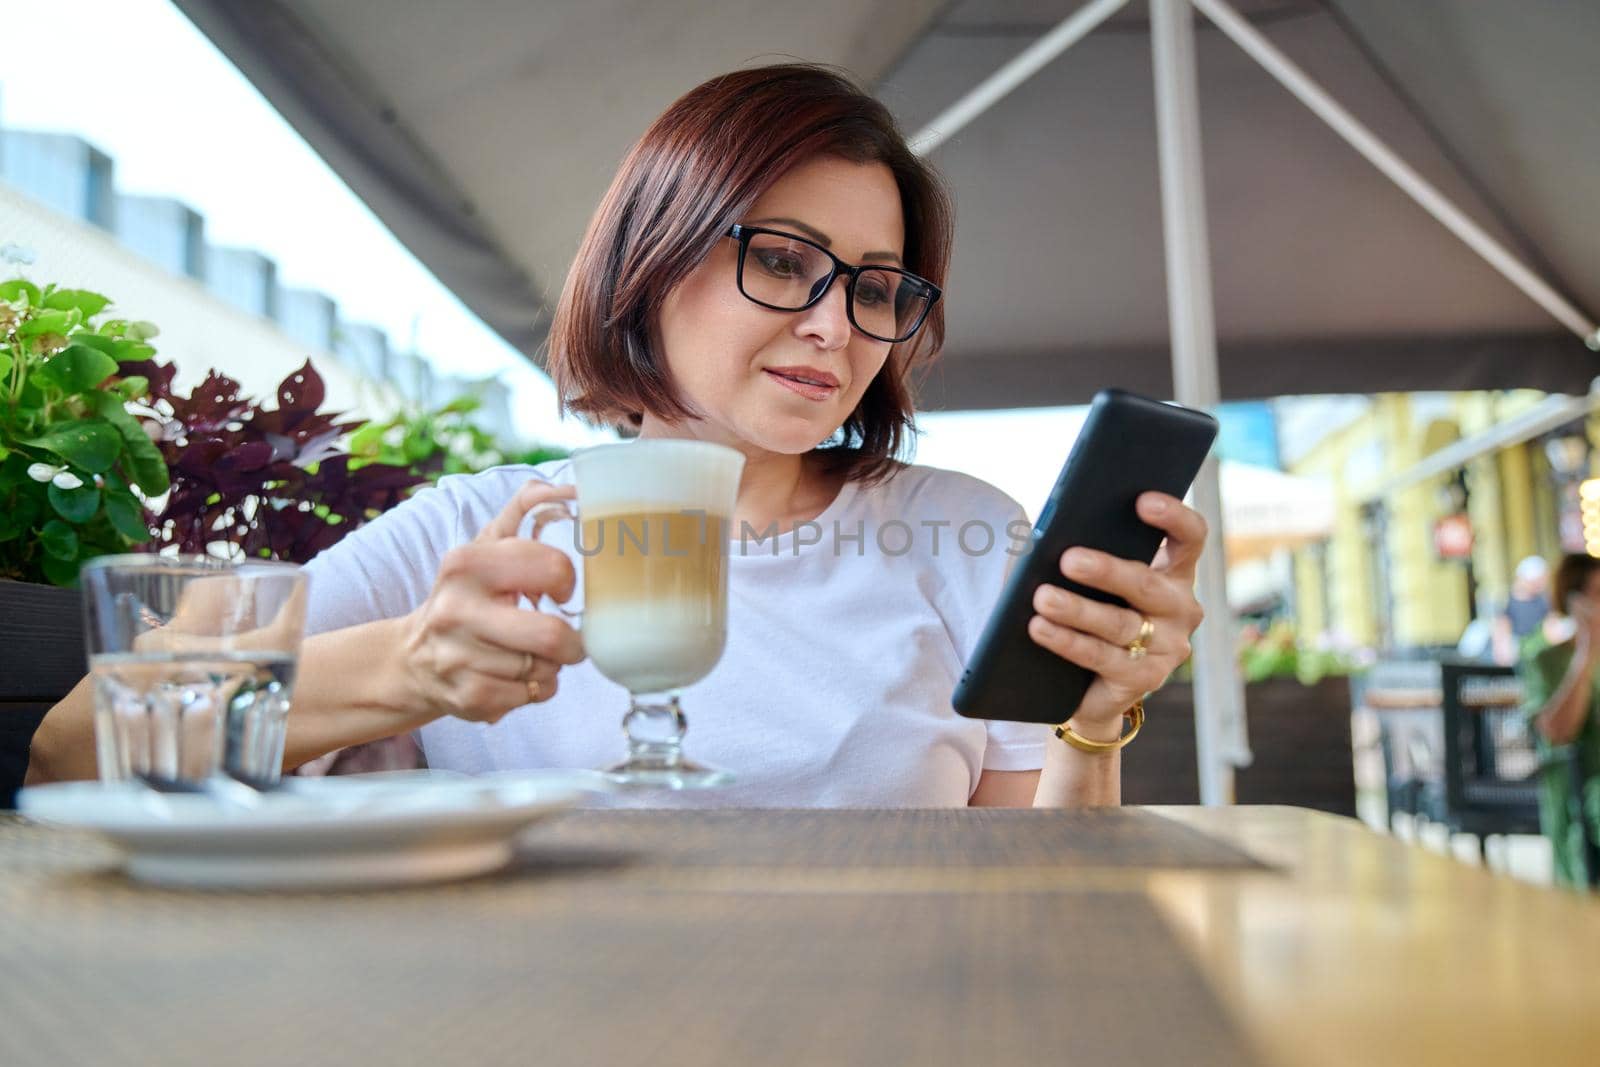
[{"x": 828, "y": 320}]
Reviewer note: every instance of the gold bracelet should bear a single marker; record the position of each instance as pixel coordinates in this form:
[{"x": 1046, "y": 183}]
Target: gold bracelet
[{"x": 1135, "y": 717}]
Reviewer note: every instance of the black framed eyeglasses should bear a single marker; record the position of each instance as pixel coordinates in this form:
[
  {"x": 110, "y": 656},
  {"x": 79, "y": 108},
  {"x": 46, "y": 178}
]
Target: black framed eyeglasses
[{"x": 786, "y": 272}]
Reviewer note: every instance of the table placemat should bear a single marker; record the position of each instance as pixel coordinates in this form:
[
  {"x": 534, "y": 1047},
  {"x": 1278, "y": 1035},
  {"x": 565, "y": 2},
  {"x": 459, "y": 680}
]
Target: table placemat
[
  {"x": 571, "y": 964},
  {"x": 1124, "y": 838}
]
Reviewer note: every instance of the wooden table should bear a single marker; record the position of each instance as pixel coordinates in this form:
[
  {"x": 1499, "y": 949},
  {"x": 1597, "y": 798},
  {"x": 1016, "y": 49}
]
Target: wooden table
[{"x": 1131, "y": 936}]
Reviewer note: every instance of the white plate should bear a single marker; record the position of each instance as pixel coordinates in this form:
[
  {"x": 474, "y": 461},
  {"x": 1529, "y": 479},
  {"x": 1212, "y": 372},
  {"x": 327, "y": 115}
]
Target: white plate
[{"x": 340, "y": 832}]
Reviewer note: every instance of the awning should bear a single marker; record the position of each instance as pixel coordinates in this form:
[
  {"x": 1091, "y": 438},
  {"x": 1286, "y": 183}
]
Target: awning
[{"x": 484, "y": 132}]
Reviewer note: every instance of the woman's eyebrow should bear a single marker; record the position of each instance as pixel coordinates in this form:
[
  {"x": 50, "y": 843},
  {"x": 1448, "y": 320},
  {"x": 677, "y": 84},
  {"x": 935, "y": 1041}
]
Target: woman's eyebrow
[{"x": 818, "y": 236}]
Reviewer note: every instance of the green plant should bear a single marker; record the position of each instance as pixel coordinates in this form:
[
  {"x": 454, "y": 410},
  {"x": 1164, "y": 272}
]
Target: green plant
[
  {"x": 439, "y": 442},
  {"x": 91, "y": 430},
  {"x": 1277, "y": 652},
  {"x": 71, "y": 454}
]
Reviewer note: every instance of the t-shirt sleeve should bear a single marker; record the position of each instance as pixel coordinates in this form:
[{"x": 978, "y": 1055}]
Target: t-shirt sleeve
[
  {"x": 385, "y": 568},
  {"x": 1011, "y": 746}
]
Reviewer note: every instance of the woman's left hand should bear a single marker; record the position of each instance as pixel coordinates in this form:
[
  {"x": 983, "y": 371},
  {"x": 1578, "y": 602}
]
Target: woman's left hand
[{"x": 1098, "y": 636}]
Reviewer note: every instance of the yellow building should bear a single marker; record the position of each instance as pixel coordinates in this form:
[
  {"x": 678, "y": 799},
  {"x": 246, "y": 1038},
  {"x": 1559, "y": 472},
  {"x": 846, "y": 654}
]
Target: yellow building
[{"x": 1404, "y": 468}]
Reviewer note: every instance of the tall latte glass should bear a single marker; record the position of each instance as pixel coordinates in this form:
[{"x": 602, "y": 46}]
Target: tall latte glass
[{"x": 651, "y": 535}]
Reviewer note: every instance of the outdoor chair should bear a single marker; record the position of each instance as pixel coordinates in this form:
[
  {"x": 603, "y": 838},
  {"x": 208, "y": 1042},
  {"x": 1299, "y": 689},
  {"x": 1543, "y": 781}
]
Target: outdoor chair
[
  {"x": 41, "y": 630},
  {"x": 1491, "y": 771}
]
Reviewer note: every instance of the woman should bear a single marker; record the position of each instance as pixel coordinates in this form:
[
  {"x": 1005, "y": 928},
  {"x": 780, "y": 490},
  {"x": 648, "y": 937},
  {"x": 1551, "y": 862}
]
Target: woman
[
  {"x": 1561, "y": 693},
  {"x": 834, "y": 688}
]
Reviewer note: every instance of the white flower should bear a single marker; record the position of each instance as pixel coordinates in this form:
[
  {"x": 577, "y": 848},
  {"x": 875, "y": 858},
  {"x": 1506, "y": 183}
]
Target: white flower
[
  {"x": 60, "y": 477},
  {"x": 21, "y": 255}
]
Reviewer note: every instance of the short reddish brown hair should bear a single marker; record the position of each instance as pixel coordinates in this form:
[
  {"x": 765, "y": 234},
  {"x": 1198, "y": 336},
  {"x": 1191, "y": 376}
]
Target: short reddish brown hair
[{"x": 697, "y": 170}]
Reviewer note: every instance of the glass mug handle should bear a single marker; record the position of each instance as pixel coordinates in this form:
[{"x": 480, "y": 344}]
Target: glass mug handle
[{"x": 543, "y": 515}]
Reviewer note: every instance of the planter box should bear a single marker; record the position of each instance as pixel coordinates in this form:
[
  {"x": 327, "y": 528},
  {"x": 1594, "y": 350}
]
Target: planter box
[
  {"x": 1300, "y": 736},
  {"x": 41, "y": 657}
]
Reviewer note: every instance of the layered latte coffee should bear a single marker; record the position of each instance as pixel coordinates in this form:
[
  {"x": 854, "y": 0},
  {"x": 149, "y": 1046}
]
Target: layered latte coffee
[{"x": 655, "y": 594}]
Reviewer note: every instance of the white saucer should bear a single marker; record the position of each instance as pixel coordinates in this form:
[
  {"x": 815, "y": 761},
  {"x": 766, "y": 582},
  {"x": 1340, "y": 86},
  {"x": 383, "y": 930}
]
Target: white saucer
[{"x": 341, "y": 832}]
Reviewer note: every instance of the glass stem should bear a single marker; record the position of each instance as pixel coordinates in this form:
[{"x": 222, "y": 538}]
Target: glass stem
[{"x": 654, "y": 727}]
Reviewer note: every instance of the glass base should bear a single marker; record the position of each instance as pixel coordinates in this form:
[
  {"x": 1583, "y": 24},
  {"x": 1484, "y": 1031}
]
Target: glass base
[
  {"x": 651, "y": 774},
  {"x": 654, "y": 727}
]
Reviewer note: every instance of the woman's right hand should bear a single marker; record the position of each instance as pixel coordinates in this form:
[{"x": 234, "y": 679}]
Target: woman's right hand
[{"x": 469, "y": 650}]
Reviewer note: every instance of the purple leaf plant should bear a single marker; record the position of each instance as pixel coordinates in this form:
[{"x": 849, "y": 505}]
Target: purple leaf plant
[{"x": 272, "y": 482}]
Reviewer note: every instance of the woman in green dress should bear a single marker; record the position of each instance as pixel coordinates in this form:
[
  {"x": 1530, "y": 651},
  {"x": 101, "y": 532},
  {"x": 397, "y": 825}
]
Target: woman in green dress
[{"x": 1562, "y": 687}]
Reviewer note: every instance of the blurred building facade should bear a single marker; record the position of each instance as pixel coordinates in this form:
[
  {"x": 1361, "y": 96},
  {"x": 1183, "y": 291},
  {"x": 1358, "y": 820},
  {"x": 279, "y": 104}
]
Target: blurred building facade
[
  {"x": 1438, "y": 496},
  {"x": 217, "y": 307}
]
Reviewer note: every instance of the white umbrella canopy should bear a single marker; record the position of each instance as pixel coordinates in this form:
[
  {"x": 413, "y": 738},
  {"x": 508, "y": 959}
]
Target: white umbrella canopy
[
  {"x": 1327, "y": 278},
  {"x": 1265, "y": 510},
  {"x": 484, "y": 132}
]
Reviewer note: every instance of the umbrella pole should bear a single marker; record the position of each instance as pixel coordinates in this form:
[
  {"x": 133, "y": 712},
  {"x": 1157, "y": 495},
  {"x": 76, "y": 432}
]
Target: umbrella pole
[{"x": 1219, "y": 725}]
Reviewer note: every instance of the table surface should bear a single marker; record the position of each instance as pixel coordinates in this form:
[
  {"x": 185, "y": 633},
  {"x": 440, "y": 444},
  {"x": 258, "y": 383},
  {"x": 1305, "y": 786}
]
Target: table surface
[{"x": 1163, "y": 935}]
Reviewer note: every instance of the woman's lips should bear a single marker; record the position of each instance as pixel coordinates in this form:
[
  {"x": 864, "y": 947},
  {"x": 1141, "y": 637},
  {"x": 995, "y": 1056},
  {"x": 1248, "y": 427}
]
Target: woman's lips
[{"x": 805, "y": 389}]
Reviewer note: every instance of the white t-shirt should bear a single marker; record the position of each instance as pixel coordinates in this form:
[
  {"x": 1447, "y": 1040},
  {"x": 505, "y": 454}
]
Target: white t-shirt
[{"x": 842, "y": 653}]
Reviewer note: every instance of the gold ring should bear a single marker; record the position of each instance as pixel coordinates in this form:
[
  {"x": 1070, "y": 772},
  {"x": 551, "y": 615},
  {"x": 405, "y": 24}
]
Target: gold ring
[
  {"x": 533, "y": 688},
  {"x": 1139, "y": 647}
]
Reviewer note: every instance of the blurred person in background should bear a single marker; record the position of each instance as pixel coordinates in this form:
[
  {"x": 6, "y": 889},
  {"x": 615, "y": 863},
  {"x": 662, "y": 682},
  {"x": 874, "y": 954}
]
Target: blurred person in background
[
  {"x": 1561, "y": 693},
  {"x": 1526, "y": 609}
]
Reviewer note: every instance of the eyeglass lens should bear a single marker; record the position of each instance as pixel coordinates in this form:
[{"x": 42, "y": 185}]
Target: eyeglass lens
[{"x": 787, "y": 273}]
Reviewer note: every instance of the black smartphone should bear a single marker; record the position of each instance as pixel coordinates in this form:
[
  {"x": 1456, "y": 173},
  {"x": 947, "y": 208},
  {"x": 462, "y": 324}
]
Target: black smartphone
[{"x": 1129, "y": 445}]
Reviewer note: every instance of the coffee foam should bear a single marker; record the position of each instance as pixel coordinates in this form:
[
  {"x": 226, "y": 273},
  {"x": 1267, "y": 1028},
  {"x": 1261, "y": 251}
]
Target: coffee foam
[{"x": 657, "y": 475}]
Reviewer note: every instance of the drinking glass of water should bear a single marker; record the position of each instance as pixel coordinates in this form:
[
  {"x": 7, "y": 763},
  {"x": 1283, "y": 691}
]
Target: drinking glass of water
[{"x": 193, "y": 662}]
